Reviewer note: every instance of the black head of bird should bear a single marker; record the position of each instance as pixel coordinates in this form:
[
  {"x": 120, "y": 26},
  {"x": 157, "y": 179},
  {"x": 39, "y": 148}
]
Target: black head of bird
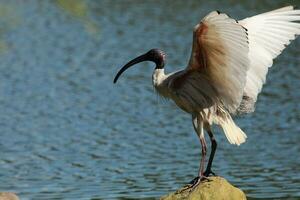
[{"x": 155, "y": 55}]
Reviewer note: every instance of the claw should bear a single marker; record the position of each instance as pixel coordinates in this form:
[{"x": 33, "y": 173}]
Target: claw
[
  {"x": 194, "y": 183},
  {"x": 194, "y": 180},
  {"x": 207, "y": 173}
]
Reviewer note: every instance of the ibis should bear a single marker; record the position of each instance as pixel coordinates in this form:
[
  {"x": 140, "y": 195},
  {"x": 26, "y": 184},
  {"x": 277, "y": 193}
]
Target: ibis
[{"x": 227, "y": 68}]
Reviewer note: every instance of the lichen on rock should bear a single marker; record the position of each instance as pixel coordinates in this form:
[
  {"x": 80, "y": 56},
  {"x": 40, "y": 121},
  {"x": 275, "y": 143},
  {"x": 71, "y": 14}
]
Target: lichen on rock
[
  {"x": 8, "y": 196},
  {"x": 215, "y": 188}
]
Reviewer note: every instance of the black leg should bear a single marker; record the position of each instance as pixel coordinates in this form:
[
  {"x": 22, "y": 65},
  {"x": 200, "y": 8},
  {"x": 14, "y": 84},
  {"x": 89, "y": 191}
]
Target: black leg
[{"x": 212, "y": 154}]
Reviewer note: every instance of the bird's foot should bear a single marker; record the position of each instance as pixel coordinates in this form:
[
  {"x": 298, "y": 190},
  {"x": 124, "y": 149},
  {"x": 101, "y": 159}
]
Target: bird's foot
[
  {"x": 194, "y": 183},
  {"x": 207, "y": 173}
]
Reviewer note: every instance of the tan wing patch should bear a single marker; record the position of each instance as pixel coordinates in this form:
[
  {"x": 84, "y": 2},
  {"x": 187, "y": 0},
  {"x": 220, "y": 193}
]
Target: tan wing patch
[
  {"x": 220, "y": 54},
  {"x": 199, "y": 60}
]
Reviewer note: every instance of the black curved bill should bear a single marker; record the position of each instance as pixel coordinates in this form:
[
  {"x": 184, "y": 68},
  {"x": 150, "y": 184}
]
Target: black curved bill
[{"x": 139, "y": 59}]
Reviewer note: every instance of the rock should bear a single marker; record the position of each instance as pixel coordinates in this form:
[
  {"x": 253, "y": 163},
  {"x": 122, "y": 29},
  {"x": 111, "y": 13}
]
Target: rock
[
  {"x": 216, "y": 188},
  {"x": 8, "y": 196}
]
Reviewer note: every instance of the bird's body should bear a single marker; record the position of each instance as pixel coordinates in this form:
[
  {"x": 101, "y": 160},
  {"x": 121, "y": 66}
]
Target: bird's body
[
  {"x": 227, "y": 69},
  {"x": 164, "y": 85},
  {"x": 203, "y": 108}
]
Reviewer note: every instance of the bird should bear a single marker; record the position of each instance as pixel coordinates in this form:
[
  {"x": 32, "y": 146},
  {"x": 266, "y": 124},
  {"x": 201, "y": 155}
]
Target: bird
[{"x": 227, "y": 69}]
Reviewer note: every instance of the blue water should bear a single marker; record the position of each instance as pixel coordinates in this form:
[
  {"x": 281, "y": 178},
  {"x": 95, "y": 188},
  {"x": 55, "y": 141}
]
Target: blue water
[{"x": 68, "y": 133}]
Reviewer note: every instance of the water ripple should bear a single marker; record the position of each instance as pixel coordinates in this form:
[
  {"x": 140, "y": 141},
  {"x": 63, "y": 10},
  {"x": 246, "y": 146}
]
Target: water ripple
[{"x": 68, "y": 133}]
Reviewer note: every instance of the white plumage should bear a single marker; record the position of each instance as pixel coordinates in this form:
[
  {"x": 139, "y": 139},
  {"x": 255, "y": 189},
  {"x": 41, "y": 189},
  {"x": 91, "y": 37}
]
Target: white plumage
[
  {"x": 269, "y": 33},
  {"x": 227, "y": 69},
  {"x": 228, "y": 66}
]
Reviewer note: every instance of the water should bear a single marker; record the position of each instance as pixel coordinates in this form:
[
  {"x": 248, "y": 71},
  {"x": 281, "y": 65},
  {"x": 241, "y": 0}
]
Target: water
[{"x": 68, "y": 133}]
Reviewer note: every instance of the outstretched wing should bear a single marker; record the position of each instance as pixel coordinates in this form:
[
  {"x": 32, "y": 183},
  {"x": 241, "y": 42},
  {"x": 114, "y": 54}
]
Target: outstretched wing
[
  {"x": 269, "y": 33},
  {"x": 218, "y": 65}
]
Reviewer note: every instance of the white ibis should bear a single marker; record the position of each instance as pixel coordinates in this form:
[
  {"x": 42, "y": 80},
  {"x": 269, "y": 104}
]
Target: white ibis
[{"x": 227, "y": 69}]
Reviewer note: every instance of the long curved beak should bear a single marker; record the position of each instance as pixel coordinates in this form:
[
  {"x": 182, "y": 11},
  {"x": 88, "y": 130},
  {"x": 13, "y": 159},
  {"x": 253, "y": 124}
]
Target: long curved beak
[{"x": 137, "y": 60}]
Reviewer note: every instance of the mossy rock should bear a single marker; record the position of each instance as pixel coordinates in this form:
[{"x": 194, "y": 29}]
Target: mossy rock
[
  {"x": 216, "y": 188},
  {"x": 8, "y": 196}
]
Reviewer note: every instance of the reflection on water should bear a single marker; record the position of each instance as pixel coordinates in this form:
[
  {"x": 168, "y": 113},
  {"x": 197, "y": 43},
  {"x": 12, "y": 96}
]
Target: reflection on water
[
  {"x": 80, "y": 10},
  {"x": 68, "y": 133},
  {"x": 9, "y": 19}
]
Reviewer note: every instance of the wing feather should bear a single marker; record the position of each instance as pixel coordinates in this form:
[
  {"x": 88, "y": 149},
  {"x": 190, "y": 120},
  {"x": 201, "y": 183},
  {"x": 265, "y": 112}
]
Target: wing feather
[
  {"x": 220, "y": 58},
  {"x": 269, "y": 34}
]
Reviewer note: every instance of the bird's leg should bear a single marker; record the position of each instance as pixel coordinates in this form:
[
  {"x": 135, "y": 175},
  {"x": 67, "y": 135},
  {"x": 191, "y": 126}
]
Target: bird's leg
[
  {"x": 203, "y": 155},
  {"x": 212, "y": 154},
  {"x": 198, "y": 126}
]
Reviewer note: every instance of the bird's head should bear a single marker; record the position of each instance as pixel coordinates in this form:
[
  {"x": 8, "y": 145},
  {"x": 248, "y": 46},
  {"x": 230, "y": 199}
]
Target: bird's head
[{"x": 155, "y": 55}]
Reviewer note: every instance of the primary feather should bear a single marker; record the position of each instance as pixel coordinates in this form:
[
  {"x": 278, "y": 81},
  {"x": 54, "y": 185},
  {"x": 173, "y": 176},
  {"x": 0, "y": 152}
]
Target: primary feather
[{"x": 269, "y": 33}]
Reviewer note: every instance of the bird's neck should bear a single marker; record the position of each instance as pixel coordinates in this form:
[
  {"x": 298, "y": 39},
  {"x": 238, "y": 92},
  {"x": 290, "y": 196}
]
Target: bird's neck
[{"x": 159, "y": 79}]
